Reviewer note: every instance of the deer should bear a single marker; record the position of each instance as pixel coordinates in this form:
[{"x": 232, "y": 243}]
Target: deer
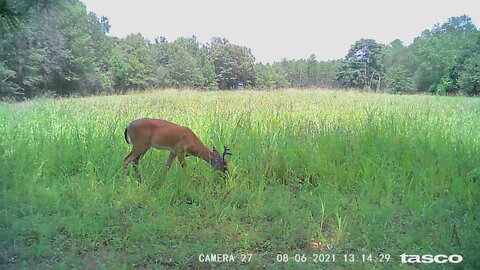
[{"x": 147, "y": 133}]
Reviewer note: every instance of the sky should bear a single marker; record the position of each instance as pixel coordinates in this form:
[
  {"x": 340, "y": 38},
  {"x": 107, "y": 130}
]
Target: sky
[{"x": 291, "y": 29}]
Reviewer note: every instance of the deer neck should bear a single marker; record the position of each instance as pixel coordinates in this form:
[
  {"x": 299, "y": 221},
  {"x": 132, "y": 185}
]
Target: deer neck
[{"x": 205, "y": 154}]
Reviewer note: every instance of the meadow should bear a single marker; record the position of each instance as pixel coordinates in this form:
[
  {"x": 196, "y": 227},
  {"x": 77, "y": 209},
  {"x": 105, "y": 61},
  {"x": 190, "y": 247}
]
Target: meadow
[{"x": 312, "y": 172}]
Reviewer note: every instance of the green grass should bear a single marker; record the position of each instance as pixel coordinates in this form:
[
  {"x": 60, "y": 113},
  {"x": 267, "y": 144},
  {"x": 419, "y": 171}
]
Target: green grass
[{"x": 357, "y": 173}]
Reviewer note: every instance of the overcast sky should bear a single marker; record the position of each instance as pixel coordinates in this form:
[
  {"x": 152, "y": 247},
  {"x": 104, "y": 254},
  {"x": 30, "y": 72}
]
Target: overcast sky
[{"x": 279, "y": 29}]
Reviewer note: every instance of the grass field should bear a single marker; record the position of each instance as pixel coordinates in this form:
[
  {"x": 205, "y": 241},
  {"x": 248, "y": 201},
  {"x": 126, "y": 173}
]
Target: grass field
[{"x": 311, "y": 173}]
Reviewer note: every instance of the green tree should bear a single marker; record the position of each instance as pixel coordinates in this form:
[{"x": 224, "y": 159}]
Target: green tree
[
  {"x": 296, "y": 72},
  {"x": 233, "y": 64},
  {"x": 268, "y": 77},
  {"x": 15, "y": 12},
  {"x": 208, "y": 70},
  {"x": 62, "y": 50},
  {"x": 399, "y": 67},
  {"x": 363, "y": 65},
  {"x": 327, "y": 73},
  {"x": 133, "y": 65},
  {"x": 469, "y": 77},
  {"x": 440, "y": 53},
  {"x": 313, "y": 78},
  {"x": 398, "y": 79},
  {"x": 7, "y": 87},
  {"x": 32, "y": 55},
  {"x": 87, "y": 47},
  {"x": 183, "y": 63}
]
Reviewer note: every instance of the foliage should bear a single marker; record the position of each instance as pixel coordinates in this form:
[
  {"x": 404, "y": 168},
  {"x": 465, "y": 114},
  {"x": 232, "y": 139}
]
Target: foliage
[
  {"x": 85, "y": 69},
  {"x": 469, "y": 76},
  {"x": 297, "y": 74},
  {"x": 132, "y": 65},
  {"x": 62, "y": 51},
  {"x": 7, "y": 88},
  {"x": 398, "y": 79},
  {"x": 14, "y": 12},
  {"x": 363, "y": 65},
  {"x": 432, "y": 63},
  {"x": 233, "y": 65},
  {"x": 440, "y": 53},
  {"x": 268, "y": 77},
  {"x": 55, "y": 46},
  {"x": 184, "y": 63},
  {"x": 327, "y": 172}
]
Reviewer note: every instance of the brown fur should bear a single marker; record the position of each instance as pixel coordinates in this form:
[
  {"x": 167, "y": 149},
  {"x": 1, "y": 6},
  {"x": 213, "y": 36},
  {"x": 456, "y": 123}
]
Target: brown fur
[{"x": 181, "y": 141}]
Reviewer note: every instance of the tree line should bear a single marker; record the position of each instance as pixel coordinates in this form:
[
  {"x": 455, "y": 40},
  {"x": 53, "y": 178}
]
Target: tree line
[{"x": 57, "y": 47}]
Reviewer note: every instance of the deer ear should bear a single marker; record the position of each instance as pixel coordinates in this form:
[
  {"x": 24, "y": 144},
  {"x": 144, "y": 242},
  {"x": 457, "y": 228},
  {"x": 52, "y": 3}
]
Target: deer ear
[{"x": 215, "y": 153}]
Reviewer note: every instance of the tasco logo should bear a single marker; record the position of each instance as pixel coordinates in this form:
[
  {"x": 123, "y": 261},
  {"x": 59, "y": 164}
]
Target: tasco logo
[{"x": 428, "y": 258}]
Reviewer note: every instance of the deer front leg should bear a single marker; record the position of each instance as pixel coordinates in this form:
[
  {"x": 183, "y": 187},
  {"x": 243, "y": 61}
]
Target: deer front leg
[
  {"x": 181, "y": 159},
  {"x": 170, "y": 159}
]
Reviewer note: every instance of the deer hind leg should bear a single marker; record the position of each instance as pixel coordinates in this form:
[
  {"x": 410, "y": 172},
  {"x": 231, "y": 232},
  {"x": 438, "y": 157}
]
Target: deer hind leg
[
  {"x": 135, "y": 166},
  {"x": 126, "y": 160},
  {"x": 134, "y": 156}
]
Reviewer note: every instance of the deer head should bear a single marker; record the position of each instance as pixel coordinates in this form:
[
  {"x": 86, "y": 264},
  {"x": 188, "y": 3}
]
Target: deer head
[{"x": 219, "y": 162}]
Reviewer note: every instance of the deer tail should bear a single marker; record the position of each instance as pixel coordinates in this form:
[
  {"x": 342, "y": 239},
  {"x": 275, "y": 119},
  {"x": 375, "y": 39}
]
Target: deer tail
[{"x": 127, "y": 138}]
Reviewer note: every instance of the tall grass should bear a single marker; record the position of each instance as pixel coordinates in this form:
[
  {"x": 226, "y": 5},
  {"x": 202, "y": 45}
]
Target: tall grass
[{"x": 358, "y": 173}]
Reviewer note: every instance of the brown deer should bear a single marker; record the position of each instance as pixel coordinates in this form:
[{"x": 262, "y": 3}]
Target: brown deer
[{"x": 146, "y": 133}]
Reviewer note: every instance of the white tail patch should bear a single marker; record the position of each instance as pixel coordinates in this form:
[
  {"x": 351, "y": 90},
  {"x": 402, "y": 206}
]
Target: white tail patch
[{"x": 127, "y": 137}]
